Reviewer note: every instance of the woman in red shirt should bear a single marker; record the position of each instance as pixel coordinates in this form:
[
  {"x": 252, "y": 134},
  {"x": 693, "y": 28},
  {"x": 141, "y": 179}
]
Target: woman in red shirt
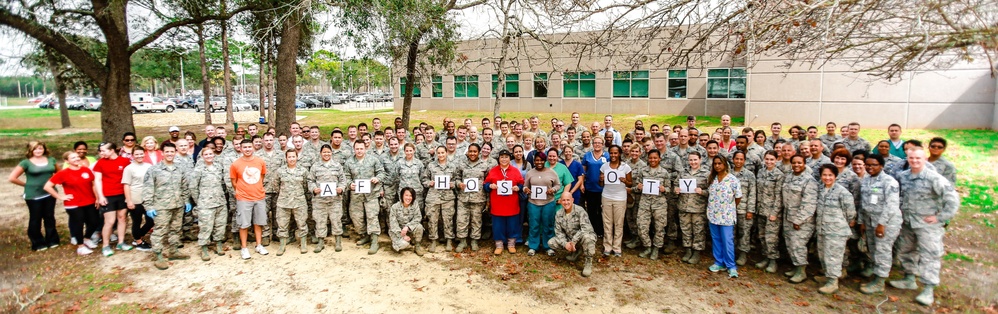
[
  {"x": 78, "y": 198},
  {"x": 506, "y": 223}
]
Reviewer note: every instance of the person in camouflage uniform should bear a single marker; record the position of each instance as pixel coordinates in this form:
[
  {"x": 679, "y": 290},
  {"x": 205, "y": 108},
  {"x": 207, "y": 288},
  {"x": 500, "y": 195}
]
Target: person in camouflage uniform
[
  {"x": 327, "y": 210},
  {"x": 653, "y": 209},
  {"x": 470, "y": 204},
  {"x": 928, "y": 200},
  {"x": 225, "y": 158},
  {"x": 440, "y": 202},
  {"x": 853, "y": 142},
  {"x": 800, "y": 194},
  {"x": 693, "y": 208},
  {"x": 185, "y": 160},
  {"x": 746, "y": 208},
  {"x": 292, "y": 180},
  {"x": 816, "y": 159},
  {"x": 631, "y": 211},
  {"x": 405, "y": 225},
  {"x": 410, "y": 172},
  {"x": 428, "y": 147},
  {"x": 836, "y": 215},
  {"x": 769, "y": 210},
  {"x": 391, "y": 183},
  {"x": 937, "y": 146},
  {"x": 207, "y": 188},
  {"x": 364, "y": 206},
  {"x": 574, "y": 233},
  {"x": 165, "y": 195},
  {"x": 753, "y": 159},
  {"x": 273, "y": 157},
  {"x": 881, "y": 207}
]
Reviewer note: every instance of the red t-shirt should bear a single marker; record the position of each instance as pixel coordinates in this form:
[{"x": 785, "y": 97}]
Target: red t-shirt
[
  {"x": 79, "y": 183},
  {"x": 111, "y": 171},
  {"x": 247, "y": 178},
  {"x": 504, "y": 205}
]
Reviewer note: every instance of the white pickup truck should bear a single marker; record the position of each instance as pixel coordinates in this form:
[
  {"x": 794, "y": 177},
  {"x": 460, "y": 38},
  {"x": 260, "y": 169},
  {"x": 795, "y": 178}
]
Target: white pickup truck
[{"x": 145, "y": 102}]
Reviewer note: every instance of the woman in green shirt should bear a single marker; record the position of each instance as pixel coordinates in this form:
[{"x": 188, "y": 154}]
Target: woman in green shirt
[{"x": 37, "y": 168}]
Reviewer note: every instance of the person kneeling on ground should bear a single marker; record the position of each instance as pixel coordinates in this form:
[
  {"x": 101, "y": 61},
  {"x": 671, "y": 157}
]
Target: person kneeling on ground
[
  {"x": 404, "y": 223},
  {"x": 574, "y": 233}
]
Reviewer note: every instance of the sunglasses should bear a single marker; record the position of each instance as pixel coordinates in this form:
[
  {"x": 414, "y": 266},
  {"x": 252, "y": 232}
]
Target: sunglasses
[
  {"x": 936, "y": 146},
  {"x": 128, "y": 140}
]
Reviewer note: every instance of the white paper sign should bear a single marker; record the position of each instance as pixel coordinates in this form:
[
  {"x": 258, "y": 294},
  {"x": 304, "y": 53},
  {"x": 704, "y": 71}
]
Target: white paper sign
[
  {"x": 687, "y": 186},
  {"x": 650, "y": 187},
  {"x": 363, "y": 186},
  {"x": 505, "y": 188},
  {"x": 441, "y": 182},
  {"x": 327, "y": 189},
  {"x": 471, "y": 185},
  {"x": 538, "y": 192},
  {"x": 612, "y": 177}
]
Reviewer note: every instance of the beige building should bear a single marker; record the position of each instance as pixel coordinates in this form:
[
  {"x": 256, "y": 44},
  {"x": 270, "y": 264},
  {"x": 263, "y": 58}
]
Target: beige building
[{"x": 559, "y": 81}]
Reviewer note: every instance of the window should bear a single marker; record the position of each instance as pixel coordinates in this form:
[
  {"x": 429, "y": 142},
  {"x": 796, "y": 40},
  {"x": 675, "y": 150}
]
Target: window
[
  {"x": 677, "y": 84},
  {"x": 465, "y": 86},
  {"x": 726, "y": 83},
  {"x": 540, "y": 85},
  {"x": 630, "y": 84},
  {"x": 579, "y": 84},
  {"x": 438, "y": 86},
  {"x": 512, "y": 83},
  {"x": 415, "y": 87}
]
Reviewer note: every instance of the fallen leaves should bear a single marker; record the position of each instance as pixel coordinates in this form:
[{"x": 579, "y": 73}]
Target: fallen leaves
[
  {"x": 319, "y": 306},
  {"x": 592, "y": 289},
  {"x": 802, "y": 303},
  {"x": 893, "y": 298}
]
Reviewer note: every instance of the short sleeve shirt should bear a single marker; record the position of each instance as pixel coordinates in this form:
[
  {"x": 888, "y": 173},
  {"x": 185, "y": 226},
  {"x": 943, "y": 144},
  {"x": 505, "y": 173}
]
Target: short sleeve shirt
[
  {"x": 247, "y": 178},
  {"x": 615, "y": 192},
  {"x": 35, "y": 177},
  {"x": 111, "y": 171},
  {"x": 79, "y": 183},
  {"x": 133, "y": 176},
  {"x": 721, "y": 200}
]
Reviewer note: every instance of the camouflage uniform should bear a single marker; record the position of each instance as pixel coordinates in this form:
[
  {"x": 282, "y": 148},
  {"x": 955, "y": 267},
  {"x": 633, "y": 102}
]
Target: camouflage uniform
[
  {"x": 769, "y": 193},
  {"x": 853, "y": 145},
  {"x": 326, "y": 209},
  {"x": 580, "y": 150},
  {"x": 835, "y": 210},
  {"x": 920, "y": 245},
  {"x": 743, "y": 232},
  {"x": 672, "y": 163},
  {"x": 814, "y": 164},
  {"x": 207, "y": 187},
  {"x": 892, "y": 165},
  {"x": 471, "y": 204},
  {"x": 576, "y": 228},
  {"x": 828, "y": 141},
  {"x": 410, "y": 174},
  {"x": 291, "y": 184},
  {"x": 440, "y": 202},
  {"x": 425, "y": 151},
  {"x": 693, "y": 209},
  {"x": 399, "y": 217},
  {"x": 684, "y": 154},
  {"x": 273, "y": 160},
  {"x": 166, "y": 192},
  {"x": 753, "y": 163},
  {"x": 225, "y": 160},
  {"x": 787, "y": 170},
  {"x": 186, "y": 163},
  {"x": 771, "y": 141},
  {"x": 800, "y": 196},
  {"x": 364, "y": 207},
  {"x": 653, "y": 208},
  {"x": 633, "y": 197},
  {"x": 880, "y": 205},
  {"x": 757, "y": 151},
  {"x": 391, "y": 184},
  {"x": 946, "y": 169}
]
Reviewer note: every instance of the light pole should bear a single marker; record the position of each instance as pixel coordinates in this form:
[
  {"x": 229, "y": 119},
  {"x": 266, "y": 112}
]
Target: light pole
[
  {"x": 242, "y": 72},
  {"x": 183, "y": 89}
]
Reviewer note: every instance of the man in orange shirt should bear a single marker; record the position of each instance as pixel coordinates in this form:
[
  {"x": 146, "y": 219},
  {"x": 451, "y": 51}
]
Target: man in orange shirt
[{"x": 251, "y": 207}]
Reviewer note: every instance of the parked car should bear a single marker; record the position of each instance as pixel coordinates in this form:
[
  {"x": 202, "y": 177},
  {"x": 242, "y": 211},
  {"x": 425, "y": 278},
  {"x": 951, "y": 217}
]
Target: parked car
[
  {"x": 241, "y": 105},
  {"x": 299, "y": 104},
  {"x": 310, "y": 102},
  {"x": 144, "y": 102},
  {"x": 361, "y": 98},
  {"x": 217, "y": 104},
  {"x": 92, "y": 104}
]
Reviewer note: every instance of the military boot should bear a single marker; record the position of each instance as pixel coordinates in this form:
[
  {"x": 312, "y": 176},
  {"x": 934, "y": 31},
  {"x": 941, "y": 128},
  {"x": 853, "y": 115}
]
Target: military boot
[
  {"x": 875, "y": 286},
  {"x": 304, "y": 245},
  {"x": 908, "y": 283},
  {"x": 433, "y": 246},
  {"x": 695, "y": 258},
  {"x": 461, "y": 245},
  {"x": 633, "y": 243},
  {"x": 830, "y": 286},
  {"x": 574, "y": 255},
  {"x": 587, "y": 270},
  {"x": 669, "y": 247},
  {"x": 474, "y": 245},
  {"x": 450, "y": 245},
  {"x": 282, "y": 246},
  {"x": 689, "y": 253},
  {"x": 771, "y": 268},
  {"x": 220, "y": 248},
  {"x": 418, "y": 248},
  {"x": 338, "y": 246},
  {"x": 654, "y": 254},
  {"x": 176, "y": 255},
  {"x": 926, "y": 297},
  {"x": 161, "y": 262},
  {"x": 645, "y": 253},
  {"x": 236, "y": 243},
  {"x": 204, "y": 253},
  {"x": 319, "y": 246},
  {"x": 799, "y": 275},
  {"x": 363, "y": 239},
  {"x": 790, "y": 272},
  {"x": 265, "y": 241},
  {"x": 762, "y": 264},
  {"x": 742, "y": 258},
  {"x": 867, "y": 272},
  {"x": 374, "y": 246}
]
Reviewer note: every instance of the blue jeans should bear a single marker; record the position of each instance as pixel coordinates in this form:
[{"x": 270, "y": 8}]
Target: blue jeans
[
  {"x": 506, "y": 227},
  {"x": 723, "y": 238},
  {"x": 541, "y": 225}
]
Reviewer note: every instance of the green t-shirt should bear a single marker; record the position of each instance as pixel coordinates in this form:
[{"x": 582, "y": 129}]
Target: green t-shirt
[
  {"x": 35, "y": 178},
  {"x": 565, "y": 176}
]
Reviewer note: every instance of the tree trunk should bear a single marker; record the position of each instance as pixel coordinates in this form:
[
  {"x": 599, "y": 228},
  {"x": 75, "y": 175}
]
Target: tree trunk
[
  {"x": 226, "y": 69},
  {"x": 116, "y": 106},
  {"x": 287, "y": 54},
  {"x": 410, "y": 77},
  {"x": 271, "y": 85},
  {"x": 60, "y": 94},
  {"x": 205, "y": 85}
]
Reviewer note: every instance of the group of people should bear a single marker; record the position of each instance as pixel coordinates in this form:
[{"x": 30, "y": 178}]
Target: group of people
[{"x": 858, "y": 206}]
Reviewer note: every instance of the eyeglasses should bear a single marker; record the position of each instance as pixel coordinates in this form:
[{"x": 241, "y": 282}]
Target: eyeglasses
[
  {"x": 937, "y": 146},
  {"x": 128, "y": 140}
]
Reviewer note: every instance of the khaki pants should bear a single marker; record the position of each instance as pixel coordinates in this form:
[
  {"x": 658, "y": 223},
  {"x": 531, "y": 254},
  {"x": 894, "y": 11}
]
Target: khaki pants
[{"x": 613, "y": 224}]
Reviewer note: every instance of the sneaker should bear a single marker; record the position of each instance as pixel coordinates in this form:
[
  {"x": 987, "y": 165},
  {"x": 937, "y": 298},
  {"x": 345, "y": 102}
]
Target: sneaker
[
  {"x": 144, "y": 247},
  {"x": 260, "y": 249},
  {"x": 716, "y": 268},
  {"x": 617, "y": 254},
  {"x": 83, "y": 250},
  {"x": 89, "y": 243},
  {"x": 124, "y": 247},
  {"x": 550, "y": 252},
  {"x": 607, "y": 253},
  {"x": 531, "y": 252},
  {"x": 107, "y": 251},
  {"x": 245, "y": 253},
  {"x": 72, "y": 240},
  {"x": 54, "y": 246},
  {"x": 114, "y": 238},
  {"x": 41, "y": 249},
  {"x": 733, "y": 273}
]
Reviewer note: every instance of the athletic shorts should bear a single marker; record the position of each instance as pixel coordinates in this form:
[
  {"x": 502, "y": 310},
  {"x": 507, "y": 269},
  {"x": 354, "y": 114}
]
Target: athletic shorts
[
  {"x": 116, "y": 202},
  {"x": 251, "y": 213}
]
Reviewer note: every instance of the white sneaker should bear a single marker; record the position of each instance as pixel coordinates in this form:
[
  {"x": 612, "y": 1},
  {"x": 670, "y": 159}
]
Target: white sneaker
[
  {"x": 83, "y": 250},
  {"x": 260, "y": 249},
  {"x": 245, "y": 253},
  {"x": 72, "y": 240},
  {"x": 114, "y": 238},
  {"x": 89, "y": 243}
]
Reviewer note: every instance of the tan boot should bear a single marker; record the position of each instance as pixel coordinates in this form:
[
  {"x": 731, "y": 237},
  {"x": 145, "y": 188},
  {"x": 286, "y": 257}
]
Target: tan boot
[
  {"x": 587, "y": 270},
  {"x": 304, "y": 245},
  {"x": 463, "y": 243},
  {"x": 799, "y": 275},
  {"x": 320, "y": 245},
  {"x": 161, "y": 262},
  {"x": 419, "y": 249},
  {"x": 831, "y": 286},
  {"x": 176, "y": 255},
  {"x": 339, "y": 245},
  {"x": 450, "y": 245},
  {"x": 204, "y": 253},
  {"x": 282, "y": 247}
]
